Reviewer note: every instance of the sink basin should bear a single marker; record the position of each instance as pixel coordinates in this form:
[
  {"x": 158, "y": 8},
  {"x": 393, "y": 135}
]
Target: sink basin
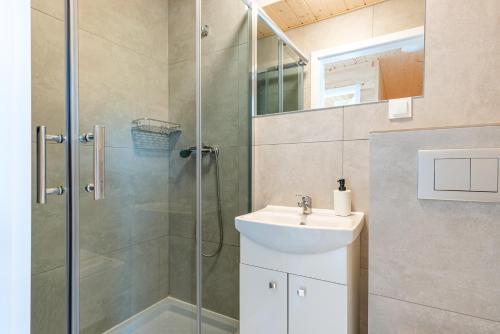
[{"x": 287, "y": 230}]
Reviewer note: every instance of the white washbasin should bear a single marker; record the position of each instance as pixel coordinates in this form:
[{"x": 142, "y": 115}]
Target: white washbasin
[{"x": 287, "y": 230}]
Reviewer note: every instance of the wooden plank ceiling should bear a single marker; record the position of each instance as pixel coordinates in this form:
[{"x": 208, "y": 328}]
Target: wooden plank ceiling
[{"x": 290, "y": 14}]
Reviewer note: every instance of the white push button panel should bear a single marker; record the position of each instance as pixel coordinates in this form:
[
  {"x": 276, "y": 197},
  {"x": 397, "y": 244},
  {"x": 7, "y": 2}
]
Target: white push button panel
[
  {"x": 459, "y": 174},
  {"x": 484, "y": 175},
  {"x": 452, "y": 174}
]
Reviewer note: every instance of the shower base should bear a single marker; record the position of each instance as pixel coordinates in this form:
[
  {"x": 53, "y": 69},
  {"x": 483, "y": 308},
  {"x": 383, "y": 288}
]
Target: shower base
[{"x": 172, "y": 316}]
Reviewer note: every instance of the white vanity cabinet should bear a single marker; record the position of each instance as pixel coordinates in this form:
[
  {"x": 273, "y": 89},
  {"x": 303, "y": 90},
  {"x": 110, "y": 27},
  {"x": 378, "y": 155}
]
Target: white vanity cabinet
[
  {"x": 299, "y": 273},
  {"x": 278, "y": 297}
]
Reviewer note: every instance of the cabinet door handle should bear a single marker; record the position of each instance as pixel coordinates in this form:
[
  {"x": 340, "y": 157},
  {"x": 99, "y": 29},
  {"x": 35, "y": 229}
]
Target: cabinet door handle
[
  {"x": 301, "y": 292},
  {"x": 273, "y": 285}
]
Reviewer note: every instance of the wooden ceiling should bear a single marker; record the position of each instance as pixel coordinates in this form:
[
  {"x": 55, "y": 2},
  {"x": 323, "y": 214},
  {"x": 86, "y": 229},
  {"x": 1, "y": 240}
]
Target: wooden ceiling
[{"x": 290, "y": 14}]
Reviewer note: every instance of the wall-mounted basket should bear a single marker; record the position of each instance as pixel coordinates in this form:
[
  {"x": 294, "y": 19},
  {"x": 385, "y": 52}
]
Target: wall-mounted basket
[{"x": 153, "y": 134}]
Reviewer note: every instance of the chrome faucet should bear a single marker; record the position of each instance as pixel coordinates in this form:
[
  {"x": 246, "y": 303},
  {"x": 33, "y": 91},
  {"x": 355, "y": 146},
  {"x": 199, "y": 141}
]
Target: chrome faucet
[{"x": 305, "y": 202}]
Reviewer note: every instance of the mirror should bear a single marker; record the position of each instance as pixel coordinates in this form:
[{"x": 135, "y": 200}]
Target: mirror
[{"x": 320, "y": 54}]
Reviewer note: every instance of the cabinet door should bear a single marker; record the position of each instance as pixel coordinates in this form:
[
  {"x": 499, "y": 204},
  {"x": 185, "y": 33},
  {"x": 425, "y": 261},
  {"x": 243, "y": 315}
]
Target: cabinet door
[
  {"x": 263, "y": 301},
  {"x": 316, "y": 306}
]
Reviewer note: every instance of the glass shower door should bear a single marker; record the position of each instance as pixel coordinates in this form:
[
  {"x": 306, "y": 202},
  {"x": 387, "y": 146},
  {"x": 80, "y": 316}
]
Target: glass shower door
[
  {"x": 134, "y": 186},
  {"x": 225, "y": 174},
  {"x": 48, "y": 228},
  {"x": 120, "y": 189}
]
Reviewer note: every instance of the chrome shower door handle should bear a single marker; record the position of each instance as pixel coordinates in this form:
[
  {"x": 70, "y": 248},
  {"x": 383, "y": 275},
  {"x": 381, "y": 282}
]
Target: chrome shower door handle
[
  {"x": 99, "y": 156},
  {"x": 99, "y": 139},
  {"x": 41, "y": 164}
]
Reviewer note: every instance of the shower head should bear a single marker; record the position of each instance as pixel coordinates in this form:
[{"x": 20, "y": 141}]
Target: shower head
[
  {"x": 206, "y": 149},
  {"x": 185, "y": 153}
]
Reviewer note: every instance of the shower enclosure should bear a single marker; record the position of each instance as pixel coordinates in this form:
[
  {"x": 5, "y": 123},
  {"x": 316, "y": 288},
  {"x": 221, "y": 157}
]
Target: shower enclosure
[{"x": 141, "y": 160}]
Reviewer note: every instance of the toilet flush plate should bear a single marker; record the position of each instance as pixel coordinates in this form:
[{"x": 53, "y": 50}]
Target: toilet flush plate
[{"x": 459, "y": 174}]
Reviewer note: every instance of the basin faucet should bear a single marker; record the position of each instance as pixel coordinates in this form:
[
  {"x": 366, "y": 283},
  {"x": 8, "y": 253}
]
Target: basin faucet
[{"x": 305, "y": 202}]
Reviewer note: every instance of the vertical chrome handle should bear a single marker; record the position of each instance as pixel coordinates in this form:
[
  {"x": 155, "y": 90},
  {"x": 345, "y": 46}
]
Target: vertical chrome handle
[
  {"x": 273, "y": 285},
  {"x": 41, "y": 164},
  {"x": 99, "y": 139},
  {"x": 99, "y": 156}
]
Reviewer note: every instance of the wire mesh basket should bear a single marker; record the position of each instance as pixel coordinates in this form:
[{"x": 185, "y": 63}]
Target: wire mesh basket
[{"x": 153, "y": 134}]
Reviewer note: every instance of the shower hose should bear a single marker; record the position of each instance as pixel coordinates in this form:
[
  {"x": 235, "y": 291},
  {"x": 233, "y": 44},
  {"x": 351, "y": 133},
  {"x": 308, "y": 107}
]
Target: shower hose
[{"x": 214, "y": 152}]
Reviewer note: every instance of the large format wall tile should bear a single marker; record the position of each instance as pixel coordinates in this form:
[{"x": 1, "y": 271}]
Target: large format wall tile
[
  {"x": 115, "y": 88},
  {"x": 220, "y": 276},
  {"x": 437, "y": 253},
  {"x": 363, "y": 302},
  {"x": 182, "y": 206},
  {"x": 312, "y": 126},
  {"x": 220, "y": 98},
  {"x": 183, "y": 269},
  {"x": 356, "y": 167},
  {"x": 360, "y": 120},
  {"x": 139, "y": 26},
  {"x": 181, "y": 27},
  {"x": 393, "y": 16},
  {"x": 54, "y": 8},
  {"x": 135, "y": 207},
  {"x": 391, "y": 316},
  {"x": 228, "y": 24},
  {"x": 461, "y": 71},
  {"x": 48, "y": 303},
  {"x": 47, "y": 73},
  {"x": 105, "y": 295},
  {"x": 282, "y": 171},
  {"x": 182, "y": 101},
  {"x": 117, "y": 285},
  {"x": 48, "y": 225},
  {"x": 221, "y": 282}
]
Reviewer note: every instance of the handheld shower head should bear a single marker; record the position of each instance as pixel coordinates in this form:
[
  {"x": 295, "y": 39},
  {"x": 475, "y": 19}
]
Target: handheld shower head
[
  {"x": 206, "y": 149},
  {"x": 185, "y": 153}
]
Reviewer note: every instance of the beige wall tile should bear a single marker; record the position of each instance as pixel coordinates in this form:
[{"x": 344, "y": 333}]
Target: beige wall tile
[
  {"x": 47, "y": 72},
  {"x": 363, "y": 302},
  {"x": 54, "y": 8},
  {"x": 397, "y": 15},
  {"x": 182, "y": 101},
  {"x": 220, "y": 274},
  {"x": 436, "y": 253},
  {"x": 311, "y": 126},
  {"x": 48, "y": 224},
  {"x": 282, "y": 171},
  {"x": 117, "y": 86},
  {"x": 356, "y": 162},
  {"x": 227, "y": 21},
  {"x": 139, "y": 26},
  {"x": 220, "y": 97},
  {"x": 181, "y": 25},
  {"x": 390, "y": 316},
  {"x": 362, "y": 119},
  {"x": 462, "y": 52},
  {"x": 48, "y": 302}
]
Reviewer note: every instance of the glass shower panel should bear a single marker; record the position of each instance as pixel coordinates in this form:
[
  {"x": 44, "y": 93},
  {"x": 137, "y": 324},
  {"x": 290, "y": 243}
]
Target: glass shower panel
[
  {"x": 268, "y": 61},
  {"x": 137, "y": 203},
  {"x": 293, "y": 81},
  {"x": 226, "y": 137},
  {"x": 48, "y": 267}
]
